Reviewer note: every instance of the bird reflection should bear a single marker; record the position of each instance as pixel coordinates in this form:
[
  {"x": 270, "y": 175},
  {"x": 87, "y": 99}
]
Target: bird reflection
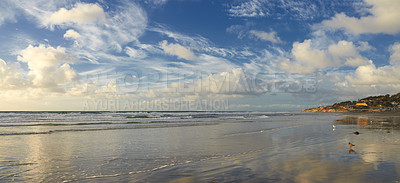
[{"x": 351, "y": 151}]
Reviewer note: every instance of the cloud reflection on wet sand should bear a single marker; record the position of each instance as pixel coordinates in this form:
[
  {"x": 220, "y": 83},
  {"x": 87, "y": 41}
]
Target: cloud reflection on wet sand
[{"x": 312, "y": 153}]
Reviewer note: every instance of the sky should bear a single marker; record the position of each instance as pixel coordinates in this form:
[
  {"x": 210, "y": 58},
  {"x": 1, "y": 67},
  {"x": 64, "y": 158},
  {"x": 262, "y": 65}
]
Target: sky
[{"x": 237, "y": 55}]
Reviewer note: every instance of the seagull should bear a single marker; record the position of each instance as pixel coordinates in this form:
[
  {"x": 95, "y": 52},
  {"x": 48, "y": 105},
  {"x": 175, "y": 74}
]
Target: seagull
[
  {"x": 356, "y": 133},
  {"x": 351, "y": 145}
]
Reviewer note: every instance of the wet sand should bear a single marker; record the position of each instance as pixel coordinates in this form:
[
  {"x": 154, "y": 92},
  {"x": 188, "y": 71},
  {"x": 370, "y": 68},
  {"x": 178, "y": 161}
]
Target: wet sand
[
  {"x": 383, "y": 113},
  {"x": 316, "y": 152},
  {"x": 298, "y": 147}
]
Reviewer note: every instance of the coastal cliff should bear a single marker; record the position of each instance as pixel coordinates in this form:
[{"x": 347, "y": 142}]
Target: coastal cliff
[{"x": 368, "y": 104}]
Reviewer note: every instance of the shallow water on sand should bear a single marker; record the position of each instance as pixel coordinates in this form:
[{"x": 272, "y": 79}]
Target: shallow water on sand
[{"x": 197, "y": 147}]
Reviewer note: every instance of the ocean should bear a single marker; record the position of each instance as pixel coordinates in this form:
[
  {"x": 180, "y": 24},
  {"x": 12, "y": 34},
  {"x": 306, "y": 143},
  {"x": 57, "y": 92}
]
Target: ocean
[{"x": 197, "y": 147}]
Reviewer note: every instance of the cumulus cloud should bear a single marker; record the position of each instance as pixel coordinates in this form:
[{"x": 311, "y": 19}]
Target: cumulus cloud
[
  {"x": 11, "y": 77},
  {"x": 71, "y": 34},
  {"x": 80, "y": 14},
  {"x": 48, "y": 67},
  {"x": 383, "y": 18},
  {"x": 364, "y": 46},
  {"x": 48, "y": 73},
  {"x": 308, "y": 59},
  {"x": 177, "y": 50},
  {"x": 372, "y": 75},
  {"x": 346, "y": 52},
  {"x": 266, "y": 36},
  {"x": 304, "y": 53}
]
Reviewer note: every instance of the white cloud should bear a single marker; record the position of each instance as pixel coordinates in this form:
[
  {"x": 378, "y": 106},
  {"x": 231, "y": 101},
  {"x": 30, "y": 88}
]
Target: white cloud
[
  {"x": 245, "y": 31},
  {"x": 232, "y": 84},
  {"x": 156, "y": 3},
  {"x": 49, "y": 74},
  {"x": 346, "y": 52},
  {"x": 237, "y": 81},
  {"x": 266, "y": 36},
  {"x": 8, "y": 12},
  {"x": 253, "y": 8},
  {"x": 304, "y": 53},
  {"x": 80, "y": 14},
  {"x": 121, "y": 27},
  {"x": 101, "y": 32},
  {"x": 364, "y": 46},
  {"x": 296, "y": 67},
  {"x": 195, "y": 42},
  {"x": 383, "y": 18},
  {"x": 308, "y": 59},
  {"x": 372, "y": 75},
  {"x": 296, "y": 10},
  {"x": 109, "y": 88},
  {"x": 177, "y": 50},
  {"x": 48, "y": 67},
  {"x": 395, "y": 54},
  {"x": 240, "y": 30},
  {"x": 38, "y": 10},
  {"x": 206, "y": 64},
  {"x": 71, "y": 34},
  {"x": 11, "y": 77},
  {"x": 135, "y": 53},
  {"x": 33, "y": 10}
]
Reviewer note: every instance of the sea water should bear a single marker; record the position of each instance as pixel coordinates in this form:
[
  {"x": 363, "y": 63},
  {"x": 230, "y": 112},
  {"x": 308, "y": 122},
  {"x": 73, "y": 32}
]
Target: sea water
[{"x": 196, "y": 147}]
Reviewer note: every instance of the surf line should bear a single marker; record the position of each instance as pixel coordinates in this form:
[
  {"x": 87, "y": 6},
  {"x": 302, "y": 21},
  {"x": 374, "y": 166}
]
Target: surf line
[{"x": 263, "y": 130}]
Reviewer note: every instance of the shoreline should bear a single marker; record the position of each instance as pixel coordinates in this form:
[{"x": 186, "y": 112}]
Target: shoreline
[
  {"x": 371, "y": 114},
  {"x": 365, "y": 113}
]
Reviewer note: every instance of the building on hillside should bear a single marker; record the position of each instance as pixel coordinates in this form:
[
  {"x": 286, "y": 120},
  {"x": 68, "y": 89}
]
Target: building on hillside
[{"x": 362, "y": 104}]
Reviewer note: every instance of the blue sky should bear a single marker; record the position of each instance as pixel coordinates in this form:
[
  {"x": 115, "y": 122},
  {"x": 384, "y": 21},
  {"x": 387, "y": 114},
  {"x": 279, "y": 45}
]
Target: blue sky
[{"x": 257, "y": 55}]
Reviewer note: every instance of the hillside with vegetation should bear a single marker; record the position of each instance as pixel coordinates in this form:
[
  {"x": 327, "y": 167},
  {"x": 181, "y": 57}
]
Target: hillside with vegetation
[{"x": 368, "y": 104}]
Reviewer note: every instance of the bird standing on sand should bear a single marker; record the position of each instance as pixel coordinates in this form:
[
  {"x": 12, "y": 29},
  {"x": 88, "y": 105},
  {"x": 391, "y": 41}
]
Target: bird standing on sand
[
  {"x": 351, "y": 145},
  {"x": 356, "y": 133}
]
